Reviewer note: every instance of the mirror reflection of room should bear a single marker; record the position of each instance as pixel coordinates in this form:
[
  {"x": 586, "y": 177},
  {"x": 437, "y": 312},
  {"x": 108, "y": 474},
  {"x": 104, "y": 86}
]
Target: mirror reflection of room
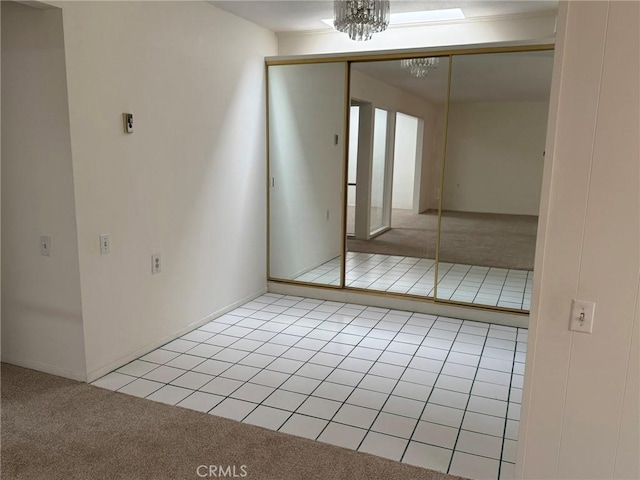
[
  {"x": 444, "y": 161},
  {"x": 496, "y": 132},
  {"x": 395, "y": 155},
  {"x": 306, "y": 164}
]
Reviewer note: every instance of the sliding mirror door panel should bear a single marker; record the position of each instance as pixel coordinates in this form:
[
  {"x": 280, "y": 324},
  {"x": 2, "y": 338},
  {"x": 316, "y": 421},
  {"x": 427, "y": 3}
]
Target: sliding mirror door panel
[
  {"x": 496, "y": 132},
  {"x": 306, "y": 167},
  {"x": 394, "y": 172},
  {"x": 432, "y": 191}
]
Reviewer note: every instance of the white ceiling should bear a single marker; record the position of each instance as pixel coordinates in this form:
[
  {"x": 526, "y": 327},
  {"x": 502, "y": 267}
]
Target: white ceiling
[
  {"x": 474, "y": 77},
  {"x": 302, "y": 15},
  {"x": 522, "y": 76}
]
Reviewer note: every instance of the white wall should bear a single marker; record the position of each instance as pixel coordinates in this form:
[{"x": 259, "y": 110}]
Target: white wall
[
  {"x": 495, "y": 157},
  {"x": 580, "y": 403},
  {"x": 382, "y": 95},
  {"x": 532, "y": 27},
  {"x": 352, "y": 157},
  {"x": 189, "y": 183},
  {"x": 41, "y": 307},
  {"x": 306, "y": 111}
]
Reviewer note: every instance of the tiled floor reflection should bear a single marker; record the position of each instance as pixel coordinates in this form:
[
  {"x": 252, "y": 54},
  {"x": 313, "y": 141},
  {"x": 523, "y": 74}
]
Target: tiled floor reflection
[
  {"x": 500, "y": 287},
  {"x": 435, "y": 392}
]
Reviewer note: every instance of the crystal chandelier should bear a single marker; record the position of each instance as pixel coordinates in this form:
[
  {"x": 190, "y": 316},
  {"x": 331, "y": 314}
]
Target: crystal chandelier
[
  {"x": 360, "y": 19},
  {"x": 420, "y": 67}
]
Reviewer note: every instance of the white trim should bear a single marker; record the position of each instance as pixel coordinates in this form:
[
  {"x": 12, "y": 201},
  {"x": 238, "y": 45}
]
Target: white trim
[
  {"x": 408, "y": 51},
  {"x": 45, "y": 367},
  {"x": 309, "y": 269}
]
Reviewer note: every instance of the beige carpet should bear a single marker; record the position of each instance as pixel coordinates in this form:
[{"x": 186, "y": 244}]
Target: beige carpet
[
  {"x": 485, "y": 239},
  {"x": 54, "y": 428}
]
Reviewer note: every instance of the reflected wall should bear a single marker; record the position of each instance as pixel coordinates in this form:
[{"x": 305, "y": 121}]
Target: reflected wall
[
  {"x": 306, "y": 128},
  {"x": 496, "y": 133},
  {"x": 398, "y": 183}
]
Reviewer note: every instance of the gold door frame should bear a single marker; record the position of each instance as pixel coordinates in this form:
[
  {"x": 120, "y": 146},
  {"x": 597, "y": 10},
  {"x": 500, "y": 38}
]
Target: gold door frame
[{"x": 348, "y": 59}]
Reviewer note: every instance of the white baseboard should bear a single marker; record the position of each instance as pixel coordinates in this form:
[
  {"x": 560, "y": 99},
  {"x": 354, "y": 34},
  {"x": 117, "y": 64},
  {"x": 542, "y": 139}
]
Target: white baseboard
[
  {"x": 95, "y": 374},
  {"x": 45, "y": 367},
  {"x": 312, "y": 267}
]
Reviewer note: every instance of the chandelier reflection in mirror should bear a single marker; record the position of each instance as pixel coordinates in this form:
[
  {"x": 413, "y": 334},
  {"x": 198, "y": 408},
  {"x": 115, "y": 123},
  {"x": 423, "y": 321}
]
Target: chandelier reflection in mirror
[
  {"x": 360, "y": 19},
  {"x": 420, "y": 67}
]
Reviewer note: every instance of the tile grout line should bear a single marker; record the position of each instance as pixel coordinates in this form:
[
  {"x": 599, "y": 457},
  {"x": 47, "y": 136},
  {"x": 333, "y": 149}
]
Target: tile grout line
[
  {"x": 506, "y": 419},
  {"x": 389, "y": 287},
  {"x": 374, "y": 363},
  {"x": 480, "y": 287},
  {"x": 465, "y": 277},
  {"x": 431, "y": 393},
  {"x": 305, "y": 362},
  {"x": 289, "y": 347},
  {"x": 228, "y": 396},
  {"x": 394, "y": 387},
  {"x": 179, "y": 353},
  {"x": 455, "y": 444},
  {"x": 360, "y": 381},
  {"x": 333, "y": 368}
]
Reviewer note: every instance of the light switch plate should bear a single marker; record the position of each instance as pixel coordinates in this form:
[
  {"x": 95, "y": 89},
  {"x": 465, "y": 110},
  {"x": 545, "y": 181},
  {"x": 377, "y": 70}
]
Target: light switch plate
[
  {"x": 45, "y": 245},
  {"x": 105, "y": 244},
  {"x": 582, "y": 314},
  {"x": 127, "y": 118},
  {"x": 156, "y": 263}
]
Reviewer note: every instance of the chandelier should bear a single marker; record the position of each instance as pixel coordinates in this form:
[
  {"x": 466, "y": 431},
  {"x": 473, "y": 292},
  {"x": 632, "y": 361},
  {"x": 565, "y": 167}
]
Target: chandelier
[
  {"x": 360, "y": 19},
  {"x": 420, "y": 67}
]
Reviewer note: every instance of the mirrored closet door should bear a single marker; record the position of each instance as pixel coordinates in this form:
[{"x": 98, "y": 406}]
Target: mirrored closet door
[
  {"x": 410, "y": 176},
  {"x": 306, "y": 166},
  {"x": 394, "y": 159},
  {"x": 496, "y": 133}
]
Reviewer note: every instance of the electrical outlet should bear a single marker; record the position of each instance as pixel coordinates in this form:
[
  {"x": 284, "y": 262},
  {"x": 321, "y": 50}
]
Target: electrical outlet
[
  {"x": 156, "y": 263},
  {"x": 127, "y": 118},
  {"x": 105, "y": 244},
  {"x": 582, "y": 314},
  {"x": 45, "y": 245}
]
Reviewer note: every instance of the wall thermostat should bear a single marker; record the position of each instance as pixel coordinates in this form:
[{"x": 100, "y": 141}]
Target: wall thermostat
[{"x": 128, "y": 122}]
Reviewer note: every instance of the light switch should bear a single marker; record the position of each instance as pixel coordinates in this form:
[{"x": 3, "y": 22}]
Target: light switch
[
  {"x": 156, "y": 263},
  {"x": 105, "y": 244},
  {"x": 45, "y": 245},
  {"x": 582, "y": 314}
]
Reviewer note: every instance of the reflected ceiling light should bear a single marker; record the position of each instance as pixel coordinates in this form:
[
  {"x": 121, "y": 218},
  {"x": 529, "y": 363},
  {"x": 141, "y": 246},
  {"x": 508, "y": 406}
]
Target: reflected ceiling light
[
  {"x": 360, "y": 19},
  {"x": 420, "y": 67},
  {"x": 423, "y": 16}
]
